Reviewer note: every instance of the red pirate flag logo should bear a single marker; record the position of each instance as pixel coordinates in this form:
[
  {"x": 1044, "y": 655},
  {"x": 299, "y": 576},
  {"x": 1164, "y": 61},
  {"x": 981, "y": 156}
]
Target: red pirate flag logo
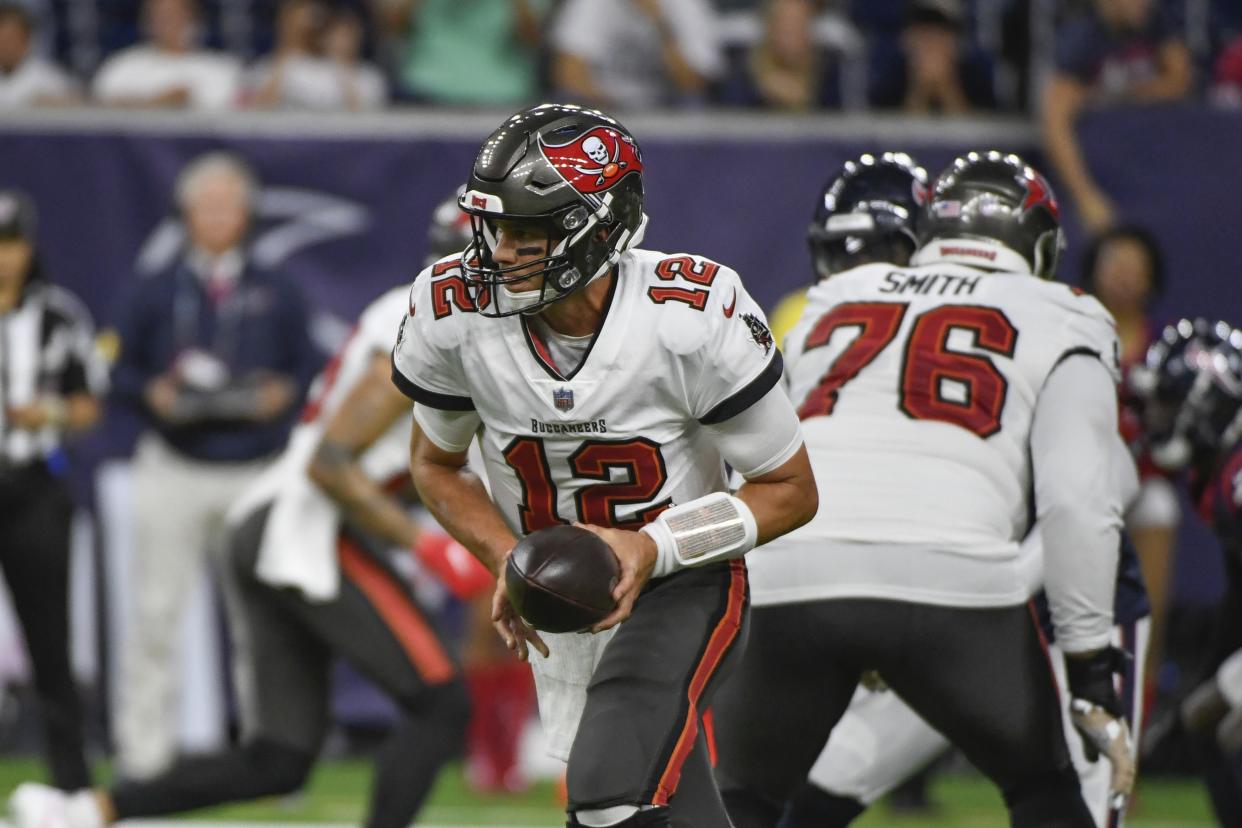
[
  {"x": 595, "y": 160},
  {"x": 1038, "y": 192}
]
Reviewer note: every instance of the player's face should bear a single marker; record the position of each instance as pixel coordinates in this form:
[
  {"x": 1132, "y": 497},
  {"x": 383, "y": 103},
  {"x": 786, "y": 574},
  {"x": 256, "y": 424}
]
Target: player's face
[{"x": 519, "y": 243}]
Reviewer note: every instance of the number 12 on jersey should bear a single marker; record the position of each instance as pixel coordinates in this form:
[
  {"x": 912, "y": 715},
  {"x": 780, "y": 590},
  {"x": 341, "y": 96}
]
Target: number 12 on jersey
[
  {"x": 928, "y": 362},
  {"x": 639, "y": 460}
]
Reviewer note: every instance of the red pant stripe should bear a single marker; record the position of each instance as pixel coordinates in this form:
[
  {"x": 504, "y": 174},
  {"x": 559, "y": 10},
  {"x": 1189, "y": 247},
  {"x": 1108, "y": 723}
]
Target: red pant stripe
[
  {"x": 394, "y": 606},
  {"x": 722, "y": 638}
]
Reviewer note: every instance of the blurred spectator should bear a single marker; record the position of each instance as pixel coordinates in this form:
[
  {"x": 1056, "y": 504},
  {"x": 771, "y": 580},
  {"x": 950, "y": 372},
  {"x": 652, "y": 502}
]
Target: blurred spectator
[
  {"x": 170, "y": 70},
  {"x": 925, "y": 61},
  {"x": 635, "y": 53},
  {"x": 26, "y": 79},
  {"x": 1122, "y": 50},
  {"x": 277, "y": 79},
  {"x": 478, "y": 53},
  {"x": 50, "y": 382},
  {"x": 216, "y": 353},
  {"x": 785, "y": 67},
  {"x": 317, "y": 63},
  {"x": 931, "y": 43},
  {"x": 359, "y": 85},
  {"x": 1124, "y": 269}
]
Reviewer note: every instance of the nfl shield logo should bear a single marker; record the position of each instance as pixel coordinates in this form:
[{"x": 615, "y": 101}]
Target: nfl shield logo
[{"x": 563, "y": 398}]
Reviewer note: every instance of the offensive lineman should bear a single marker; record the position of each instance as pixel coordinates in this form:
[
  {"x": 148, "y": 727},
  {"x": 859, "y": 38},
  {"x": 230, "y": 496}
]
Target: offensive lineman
[
  {"x": 936, "y": 399},
  {"x": 868, "y": 213},
  {"x": 613, "y": 384},
  {"x": 307, "y": 548}
]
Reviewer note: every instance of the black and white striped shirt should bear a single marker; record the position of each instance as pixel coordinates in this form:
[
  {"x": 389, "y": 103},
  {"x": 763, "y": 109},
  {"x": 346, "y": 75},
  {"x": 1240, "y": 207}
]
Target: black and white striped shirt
[{"x": 47, "y": 347}]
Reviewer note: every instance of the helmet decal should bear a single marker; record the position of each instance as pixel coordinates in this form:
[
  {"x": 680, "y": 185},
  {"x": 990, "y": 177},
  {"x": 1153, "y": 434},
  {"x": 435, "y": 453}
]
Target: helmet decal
[
  {"x": 595, "y": 160},
  {"x": 920, "y": 192},
  {"x": 1038, "y": 192}
]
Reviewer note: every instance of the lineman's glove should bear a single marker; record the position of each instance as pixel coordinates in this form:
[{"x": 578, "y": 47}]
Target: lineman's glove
[{"x": 1095, "y": 711}]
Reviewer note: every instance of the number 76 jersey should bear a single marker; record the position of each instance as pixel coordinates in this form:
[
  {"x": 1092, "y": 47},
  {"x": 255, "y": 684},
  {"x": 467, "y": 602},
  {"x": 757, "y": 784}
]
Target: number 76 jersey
[{"x": 917, "y": 388}]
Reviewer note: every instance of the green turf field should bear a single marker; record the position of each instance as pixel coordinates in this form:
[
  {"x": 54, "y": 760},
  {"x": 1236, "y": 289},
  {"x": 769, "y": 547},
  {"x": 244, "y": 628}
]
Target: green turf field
[{"x": 338, "y": 791}]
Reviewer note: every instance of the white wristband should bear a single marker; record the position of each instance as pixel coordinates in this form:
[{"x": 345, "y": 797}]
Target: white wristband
[{"x": 715, "y": 527}]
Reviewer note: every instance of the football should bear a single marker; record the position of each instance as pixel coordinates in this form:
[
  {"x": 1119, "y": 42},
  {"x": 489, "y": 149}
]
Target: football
[{"x": 560, "y": 579}]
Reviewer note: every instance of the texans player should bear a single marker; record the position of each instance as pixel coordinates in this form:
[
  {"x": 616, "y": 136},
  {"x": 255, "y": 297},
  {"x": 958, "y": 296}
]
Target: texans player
[
  {"x": 312, "y": 582},
  {"x": 866, "y": 214},
  {"x": 1190, "y": 390},
  {"x": 612, "y": 384},
  {"x": 937, "y": 400}
]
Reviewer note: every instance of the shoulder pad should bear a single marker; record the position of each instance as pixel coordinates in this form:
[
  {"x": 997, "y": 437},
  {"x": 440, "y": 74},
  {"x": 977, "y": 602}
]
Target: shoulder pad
[{"x": 691, "y": 296}]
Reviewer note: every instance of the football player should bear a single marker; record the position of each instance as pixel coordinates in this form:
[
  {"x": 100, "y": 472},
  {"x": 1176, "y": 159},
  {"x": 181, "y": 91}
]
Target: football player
[
  {"x": 938, "y": 400},
  {"x": 311, "y": 579},
  {"x": 613, "y": 384},
  {"x": 1190, "y": 388},
  {"x": 502, "y": 690},
  {"x": 879, "y": 742}
]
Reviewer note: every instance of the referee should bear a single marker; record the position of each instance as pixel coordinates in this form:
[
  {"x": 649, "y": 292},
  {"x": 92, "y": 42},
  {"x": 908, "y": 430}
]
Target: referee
[{"x": 50, "y": 383}]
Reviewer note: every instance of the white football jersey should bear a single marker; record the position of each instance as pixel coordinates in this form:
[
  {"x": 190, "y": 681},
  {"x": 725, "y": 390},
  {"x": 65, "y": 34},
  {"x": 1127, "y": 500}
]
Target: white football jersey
[
  {"x": 300, "y": 536},
  {"x": 916, "y": 388},
  {"x": 618, "y": 439}
]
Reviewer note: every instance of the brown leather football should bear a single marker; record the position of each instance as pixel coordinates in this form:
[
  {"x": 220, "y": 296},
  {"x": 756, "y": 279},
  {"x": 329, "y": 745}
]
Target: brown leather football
[{"x": 560, "y": 579}]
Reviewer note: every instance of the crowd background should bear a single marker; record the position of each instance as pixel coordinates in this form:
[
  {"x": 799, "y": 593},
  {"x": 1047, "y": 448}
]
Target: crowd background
[{"x": 743, "y": 108}]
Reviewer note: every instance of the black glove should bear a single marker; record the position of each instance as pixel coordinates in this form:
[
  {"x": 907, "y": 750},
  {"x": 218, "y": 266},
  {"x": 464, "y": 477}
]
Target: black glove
[{"x": 1095, "y": 711}]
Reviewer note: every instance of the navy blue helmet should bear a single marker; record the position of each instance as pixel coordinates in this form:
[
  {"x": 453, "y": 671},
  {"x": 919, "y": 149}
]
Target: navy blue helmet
[
  {"x": 1190, "y": 391},
  {"x": 868, "y": 213}
]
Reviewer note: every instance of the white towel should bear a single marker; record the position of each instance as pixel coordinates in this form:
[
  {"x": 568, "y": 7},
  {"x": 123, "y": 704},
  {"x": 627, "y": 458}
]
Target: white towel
[
  {"x": 561, "y": 682},
  {"x": 299, "y": 542}
]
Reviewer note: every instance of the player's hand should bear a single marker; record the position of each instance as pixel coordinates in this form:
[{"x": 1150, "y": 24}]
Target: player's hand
[
  {"x": 1104, "y": 733},
  {"x": 517, "y": 634},
  {"x": 636, "y": 553},
  {"x": 1095, "y": 711},
  {"x": 460, "y": 572}
]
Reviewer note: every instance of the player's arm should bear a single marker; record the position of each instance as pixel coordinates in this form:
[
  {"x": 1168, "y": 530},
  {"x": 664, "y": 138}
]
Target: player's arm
[
  {"x": 451, "y": 492},
  {"x": 1079, "y": 500},
  {"x": 764, "y": 444},
  {"x": 458, "y": 499},
  {"x": 371, "y": 408}
]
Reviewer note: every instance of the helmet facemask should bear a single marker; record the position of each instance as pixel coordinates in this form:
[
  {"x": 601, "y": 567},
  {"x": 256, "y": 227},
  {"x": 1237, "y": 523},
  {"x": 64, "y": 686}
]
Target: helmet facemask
[{"x": 580, "y": 246}]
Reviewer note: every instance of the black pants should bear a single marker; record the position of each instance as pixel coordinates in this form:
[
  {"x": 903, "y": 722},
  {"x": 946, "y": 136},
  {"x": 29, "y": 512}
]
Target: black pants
[
  {"x": 979, "y": 676},
  {"x": 641, "y": 739},
  {"x": 35, "y": 517},
  {"x": 289, "y": 643}
]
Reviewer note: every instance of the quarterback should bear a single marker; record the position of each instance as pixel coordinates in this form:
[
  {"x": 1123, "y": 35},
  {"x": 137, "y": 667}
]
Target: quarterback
[{"x": 612, "y": 384}]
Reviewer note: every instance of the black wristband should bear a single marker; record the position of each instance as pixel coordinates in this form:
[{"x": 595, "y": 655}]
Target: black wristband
[{"x": 1091, "y": 678}]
